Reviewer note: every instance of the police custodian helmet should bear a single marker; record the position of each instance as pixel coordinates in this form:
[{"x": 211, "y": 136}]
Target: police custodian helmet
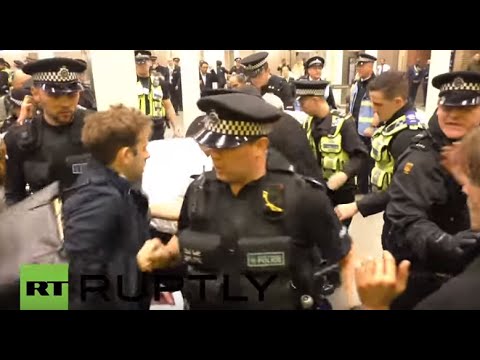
[
  {"x": 234, "y": 119},
  {"x": 57, "y": 75}
]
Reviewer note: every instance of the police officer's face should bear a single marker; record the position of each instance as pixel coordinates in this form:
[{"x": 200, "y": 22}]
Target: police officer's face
[
  {"x": 236, "y": 165},
  {"x": 456, "y": 122},
  {"x": 309, "y": 105},
  {"x": 143, "y": 69},
  {"x": 364, "y": 70},
  {"x": 315, "y": 72},
  {"x": 385, "y": 108},
  {"x": 58, "y": 108},
  {"x": 260, "y": 79}
]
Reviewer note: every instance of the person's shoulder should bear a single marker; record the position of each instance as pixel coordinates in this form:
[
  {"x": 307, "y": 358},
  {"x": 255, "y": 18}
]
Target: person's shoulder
[{"x": 420, "y": 155}]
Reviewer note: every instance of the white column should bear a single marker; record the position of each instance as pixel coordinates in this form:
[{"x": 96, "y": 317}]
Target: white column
[
  {"x": 373, "y": 53},
  {"x": 236, "y": 54},
  {"x": 114, "y": 77},
  {"x": 189, "y": 60},
  {"x": 333, "y": 71},
  {"x": 439, "y": 64},
  {"x": 45, "y": 54}
]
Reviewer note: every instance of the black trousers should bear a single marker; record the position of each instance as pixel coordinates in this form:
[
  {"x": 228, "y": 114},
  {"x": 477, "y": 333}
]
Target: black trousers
[
  {"x": 159, "y": 127},
  {"x": 412, "y": 91},
  {"x": 364, "y": 185},
  {"x": 344, "y": 195}
]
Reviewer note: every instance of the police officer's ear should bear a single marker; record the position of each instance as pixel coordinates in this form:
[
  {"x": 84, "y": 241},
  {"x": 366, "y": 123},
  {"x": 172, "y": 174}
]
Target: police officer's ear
[{"x": 262, "y": 144}]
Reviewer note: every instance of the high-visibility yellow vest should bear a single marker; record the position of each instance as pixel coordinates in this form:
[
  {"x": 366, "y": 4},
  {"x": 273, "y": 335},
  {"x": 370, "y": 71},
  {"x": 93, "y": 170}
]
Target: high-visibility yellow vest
[
  {"x": 334, "y": 157},
  {"x": 381, "y": 176},
  {"x": 154, "y": 98}
]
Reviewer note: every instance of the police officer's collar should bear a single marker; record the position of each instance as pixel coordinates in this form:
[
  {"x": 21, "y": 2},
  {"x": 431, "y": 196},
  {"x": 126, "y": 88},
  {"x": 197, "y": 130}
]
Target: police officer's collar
[{"x": 402, "y": 111}]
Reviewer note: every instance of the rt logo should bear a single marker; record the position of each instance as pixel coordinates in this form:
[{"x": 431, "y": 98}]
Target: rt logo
[{"x": 44, "y": 287}]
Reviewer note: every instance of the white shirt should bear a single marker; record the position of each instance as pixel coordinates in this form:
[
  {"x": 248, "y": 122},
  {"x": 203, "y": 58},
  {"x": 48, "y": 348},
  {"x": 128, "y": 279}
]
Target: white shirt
[{"x": 383, "y": 69}]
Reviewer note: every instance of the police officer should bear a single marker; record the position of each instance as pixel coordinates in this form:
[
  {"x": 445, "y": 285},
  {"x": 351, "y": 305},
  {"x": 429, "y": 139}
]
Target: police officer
[
  {"x": 237, "y": 68},
  {"x": 314, "y": 67},
  {"x": 15, "y": 99},
  {"x": 398, "y": 126},
  {"x": 362, "y": 111},
  {"x": 258, "y": 72},
  {"x": 427, "y": 207},
  {"x": 49, "y": 148},
  {"x": 334, "y": 141},
  {"x": 242, "y": 224},
  {"x": 154, "y": 97}
]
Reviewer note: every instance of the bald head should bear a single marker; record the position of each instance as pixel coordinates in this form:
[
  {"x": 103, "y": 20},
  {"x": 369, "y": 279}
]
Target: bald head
[{"x": 20, "y": 79}]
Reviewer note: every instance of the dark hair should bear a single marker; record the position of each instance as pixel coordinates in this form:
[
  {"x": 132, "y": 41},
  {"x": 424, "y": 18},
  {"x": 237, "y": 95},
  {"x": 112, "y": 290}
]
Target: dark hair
[
  {"x": 391, "y": 84},
  {"x": 106, "y": 132}
]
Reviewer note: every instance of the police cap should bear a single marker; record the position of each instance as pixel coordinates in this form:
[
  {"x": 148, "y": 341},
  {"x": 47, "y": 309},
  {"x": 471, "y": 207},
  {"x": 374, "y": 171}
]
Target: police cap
[
  {"x": 247, "y": 89},
  {"x": 234, "y": 119},
  {"x": 176, "y": 59},
  {"x": 315, "y": 61},
  {"x": 238, "y": 59},
  {"x": 459, "y": 88},
  {"x": 17, "y": 95},
  {"x": 141, "y": 56},
  {"x": 310, "y": 88},
  {"x": 56, "y": 75},
  {"x": 365, "y": 58},
  {"x": 253, "y": 64}
]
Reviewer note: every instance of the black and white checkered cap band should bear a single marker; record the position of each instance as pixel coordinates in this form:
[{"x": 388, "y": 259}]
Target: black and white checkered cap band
[
  {"x": 62, "y": 76},
  {"x": 316, "y": 62},
  {"x": 460, "y": 86},
  {"x": 16, "y": 102},
  {"x": 255, "y": 66},
  {"x": 365, "y": 59},
  {"x": 310, "y": 92},
  {"x": 237, "y": 128}
]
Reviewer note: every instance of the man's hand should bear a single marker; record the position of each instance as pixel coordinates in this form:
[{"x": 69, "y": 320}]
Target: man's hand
[
  {"x": 379, "y": 281},
  {"x": 27, "y": 110},
  {"x": 369, "y": 132},
  {"x": 145, "y": 255},
  {"x": 337, "y": 180},
  {"x": 346, "y": 211}
]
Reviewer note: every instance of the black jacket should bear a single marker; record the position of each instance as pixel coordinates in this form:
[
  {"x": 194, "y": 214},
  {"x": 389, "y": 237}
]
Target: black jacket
[
  {"x": 106, "y": 223},
  {"x": 39, "y": 154},
  {"x": 425, "y": 200}
]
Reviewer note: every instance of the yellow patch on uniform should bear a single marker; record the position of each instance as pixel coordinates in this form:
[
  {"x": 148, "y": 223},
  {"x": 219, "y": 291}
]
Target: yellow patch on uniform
[
  {"x": 408, "y": 168},
  {"x": 270, "y": 205}
]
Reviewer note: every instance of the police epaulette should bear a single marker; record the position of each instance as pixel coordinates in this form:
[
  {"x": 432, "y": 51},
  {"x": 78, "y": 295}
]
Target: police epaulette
[
  {"x": 336, "y": 112},
  {"x": 314, "y": 182}
]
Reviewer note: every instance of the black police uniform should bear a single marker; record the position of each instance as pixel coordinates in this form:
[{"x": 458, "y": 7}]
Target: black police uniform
[
  {"x": 254, "y": 64},
  {"x": 237, "y": 69},
  {"x": 319, "y": 61},
  {"x": 427, "y": 207},
  {"x": 268, "y": 231},
  {"x": 350, "y": 142},
  {"x": 287, "y": 137},
  {"x": 39, "y": 153}
]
